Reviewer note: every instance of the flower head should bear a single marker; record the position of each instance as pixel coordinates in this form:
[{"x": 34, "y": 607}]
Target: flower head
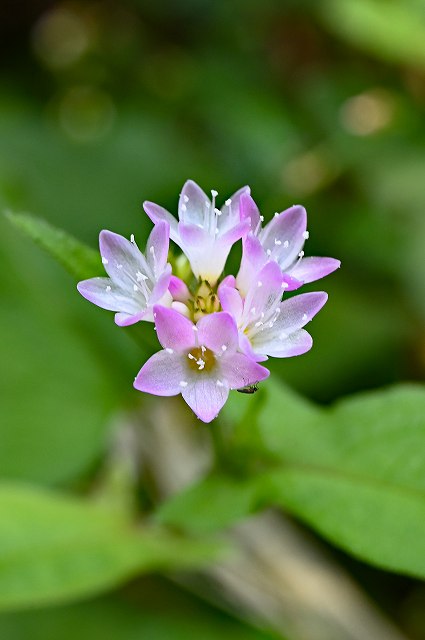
[
  {"x": 136, "y": 281},
  {"x": 281, "y": 240},
  {"x": 267, "y": 326},
  {"x": 199, "y": 361},
  {"x": 205, "y": 234}
]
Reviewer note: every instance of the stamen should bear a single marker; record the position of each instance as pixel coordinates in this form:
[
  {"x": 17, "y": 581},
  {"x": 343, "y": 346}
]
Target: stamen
[
  {"x": 306, "y": 235},
  {"x": 183, "y": 207},
  {"x": 258, "y": 324},
  {"x": 276, "y": 213},
  {"x": 183, "y": 383},
  {"x": 219, "y": 383},
  {"x": 286, "y": 244},
  {"x": 203, "y": 348},
  {"x": 283, "y": 335},
  {"x": 214, "y": 193},
  {"x": 169, "y": 350},
  {"x": 104, "y": 260},
  {"x": 140, "y": 277},
  {"x": 253, "y": 310},
  {"x": 185, "y": 198},
  {"x": 262, "y": 218},
  {"x": 132, "y": 239},
  {"x": 277, "y": 242},
  {"x": 305, "y": 316},
  {"x": 259, "y": 283},
  {"x": 269, "y": 253},
  {"x": 191, "y": 357},
  {"x": 200, "y": 363},
  {"x": 223, "y": 347},
  {"x": 228, "y": 202},
  {"x": 135, "y": 287},
  {"x": 119, "y": 266},
  {"x": 108, "y": 288}
]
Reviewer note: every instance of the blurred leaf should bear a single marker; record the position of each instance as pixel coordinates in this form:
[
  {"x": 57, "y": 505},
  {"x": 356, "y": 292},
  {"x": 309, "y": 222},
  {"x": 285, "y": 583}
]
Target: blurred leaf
[
  {"x": 54, "y": 548},
  {"x": 79, "y": 260},
  {"x": 211, "y": 504},
  {"x": 355, "y": 472},
  {"x": 393, "y": 30},
  {"x": 161, "y": 613}
]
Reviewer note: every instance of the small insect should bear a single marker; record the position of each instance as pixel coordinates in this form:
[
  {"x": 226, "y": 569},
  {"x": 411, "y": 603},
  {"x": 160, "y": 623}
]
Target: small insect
[{"x": 249, "y": 388}]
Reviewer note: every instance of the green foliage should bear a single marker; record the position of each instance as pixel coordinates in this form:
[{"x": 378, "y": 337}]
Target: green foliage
[
  {"x": 355, "y": 472},
  {"x": 56, "y": 548},
  {"x": 78, "y": 259}
]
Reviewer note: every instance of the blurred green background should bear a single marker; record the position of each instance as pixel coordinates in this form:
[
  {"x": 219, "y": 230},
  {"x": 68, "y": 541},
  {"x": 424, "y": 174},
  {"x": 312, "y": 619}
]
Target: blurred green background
[{"x": 106, "y": 104}]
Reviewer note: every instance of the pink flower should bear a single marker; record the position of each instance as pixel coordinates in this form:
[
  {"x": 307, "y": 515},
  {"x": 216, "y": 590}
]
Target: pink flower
[
  {"x": 267, "y": 326},
  {"x": 199, "y": 361},
  {"x": 281, "y": 240},
  {"x": 136, "y": 282},
  {"x": 204, "y": 233}
]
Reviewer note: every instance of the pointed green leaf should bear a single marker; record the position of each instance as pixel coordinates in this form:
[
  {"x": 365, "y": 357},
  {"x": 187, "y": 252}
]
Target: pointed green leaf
[{"x": 78, "y": 259}]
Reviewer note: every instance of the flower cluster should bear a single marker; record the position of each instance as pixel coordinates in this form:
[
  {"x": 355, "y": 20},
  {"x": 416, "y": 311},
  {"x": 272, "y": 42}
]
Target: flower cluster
[{"x": 214, "y": 330}]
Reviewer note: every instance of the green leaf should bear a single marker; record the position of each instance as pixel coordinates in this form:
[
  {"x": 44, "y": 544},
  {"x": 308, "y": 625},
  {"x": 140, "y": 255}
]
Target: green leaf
[
  {"x": 78, "y": 259},
  {"x": 355, "y": 472},
  {"x": 54, "y": 548}
]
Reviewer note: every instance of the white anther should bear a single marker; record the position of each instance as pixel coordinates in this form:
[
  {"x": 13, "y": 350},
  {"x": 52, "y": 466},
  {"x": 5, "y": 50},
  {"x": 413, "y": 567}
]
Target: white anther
[
  {"x": 119, "y": 266},
  {"x": 223, "y": 347},
  {"x": 217, "y": 211},
  {"x": 104, "y": 260},
  {"x": 304, "y": 317},
  {"x": 185, "y": 198},
  {"x": 108, "y": 288},
  {"x": 228, "y": 202},
  {"x": 132, "y": 238},
  {"x": 286, "y": 244},
  {"x": 259, "y": 283},
  {"x": 191, "y": 357},
  {"x": 169, "y": 350},
  {"x": 276, "y": 213},
  {"x": 219, "y": 383},
  {"x": 152, "y": 250},
  {"x": 140, "y": 277},
  {"x": 306, "y": 235},
  {"x": 183, "y": 207},
  {"x": 269, "y": 253},
  {"x": 214, "y": 193},
  {"x": 135, "y": 287},
  {"x": 155, "y": 314},
  {"x": 183, "y": 383},
  {"x": 262, "y": 218},
  {"x": 301, "y": 254},
  {"x": 253, "y": 310},
  {"x": 277, "y": 242},
  {"x": 217, "y": 231},
  {"x": 262, "y": 314},
  {"x": 258, "y": 324},
  {"x": 284, "y": 285},
  {"x": 201, "y": 364},
  {"x": 203, "y": 348},
  {"x": 195, "y": 328}
]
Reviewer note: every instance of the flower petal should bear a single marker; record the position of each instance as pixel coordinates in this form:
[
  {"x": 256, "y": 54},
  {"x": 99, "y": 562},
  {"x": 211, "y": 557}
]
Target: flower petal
[
  {"x": 158, "y": 214},
  {"x": 162, "y": 374},
  {"x": 246, "y": 347},
  {"x": 278, "y": 346},
  {"x": 194, "y": 205},
  {"x": 157, "y": 248},
  {"x": 161, "y": 287},
  {"x": 283, "y": 237},
  {"x": 311, "y": 269},
  {"x": 264, "y": 295},
  {"x": 174, "y": 331},
  {"x": 218, "y": 332},
  {"x": 126, "y": 319},
  {"x": 231, "y": 301},
  {"x": 253, "y": 259},
  {"x": 231, "y": 210},
  {"x": 179, "y": 289},
  {"x": 240, "y": 371},
  {"x": 122, "y": 260},
  {"x": 297, "y": 311},
  {"x": 249, "y": 211},
  {"x": 107, "y": 295},
  {"x": 205, "y": 397},
  {"x": 206, "y": 256}
]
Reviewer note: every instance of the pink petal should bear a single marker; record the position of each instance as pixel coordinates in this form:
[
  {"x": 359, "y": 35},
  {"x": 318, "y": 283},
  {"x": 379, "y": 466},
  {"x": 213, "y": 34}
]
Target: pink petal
[
  {"x": 240, "y": 371},
  {"x": 174, "y": 331},
  {"x": 294, "y": 344},
  {"x": 297, "y": 311},
  {"x": 107, "y": 295},
  {"x": 207, "y": 256},
  {"x": 231, "y": 212},
  {"x": 253, "y": 259},
  {"x": 218, "y": 332},
  {"x": 179, "y": 289},
  {"x": 205, "y": 397},
  {"x": 161, "y": 286},
  {"x": 157, "y": 248},
  {"x": 162, "y": 374},
  {"x": 125, "y": 319},
  {"x": 122, "y": 259},
  {"x": 158, "y": 214},
  {"x": 264, "y": 294},
  {"x": 193, "y": 204},
  {"x": 249, "y": 211},
  {"x": 283, "y": 237},
  {"x": 311, "y": 269},
  {"x": 246, "y": 347},
  {"x": 231, "y": 301}
]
